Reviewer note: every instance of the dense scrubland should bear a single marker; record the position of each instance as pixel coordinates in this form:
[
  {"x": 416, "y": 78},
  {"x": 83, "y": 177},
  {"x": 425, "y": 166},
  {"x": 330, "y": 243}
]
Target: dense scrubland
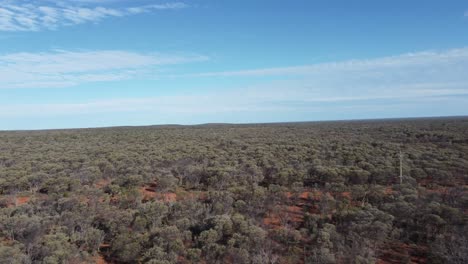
[{"x": 322, "y": 192}]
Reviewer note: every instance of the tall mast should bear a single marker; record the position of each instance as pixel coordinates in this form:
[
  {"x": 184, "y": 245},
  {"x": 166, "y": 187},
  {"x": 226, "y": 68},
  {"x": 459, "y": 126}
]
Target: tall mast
[{"x": 401, "y": 167}]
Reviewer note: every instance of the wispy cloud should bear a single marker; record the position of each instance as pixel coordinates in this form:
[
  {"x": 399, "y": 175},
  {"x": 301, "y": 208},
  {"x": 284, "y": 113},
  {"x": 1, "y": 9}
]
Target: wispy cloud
[
  {"x": 417, "y": 61},
  {"x": 426, "y": 80},
  {"x": 420, "y": 74},
  {"x": 66, "y": 68},
  {"x": 36, "y": 16},
  {"x": 248, "y": 100},
  {"x": 466, "y": 13}
]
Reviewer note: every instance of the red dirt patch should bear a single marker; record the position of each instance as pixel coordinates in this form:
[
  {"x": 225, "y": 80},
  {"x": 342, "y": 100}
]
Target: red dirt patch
[
  {"x": 83, "y": 199},
  {"x": 291, "y": 214},
  {"x": 102, "y": 183},
  {"x": 398, "y": 252},
  {"x": 104, "y": 246},
  {"x": 295, "y": 214},
  {"x": 299, "y": 203},
  {"x": 302, "y": 195},
  {"x": 191, "y": 195},
  {"x": 169, "y": 197},
  {"x": 148, "y": 192},
  {"x": 440, "y": 190},
  {"x": 17, "y": 201},
  {"x": 388, "y": 191},
  {"x": 22, "y": 200},
  {"x": 100, "y": 260},
  {"x": 346, "y": 195},
  {"x": 316, "y": 195},
  {"x": 272, "y": 221}
]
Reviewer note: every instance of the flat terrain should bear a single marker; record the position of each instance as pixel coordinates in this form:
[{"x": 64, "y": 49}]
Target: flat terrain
[{"x": 320, "y": 192}]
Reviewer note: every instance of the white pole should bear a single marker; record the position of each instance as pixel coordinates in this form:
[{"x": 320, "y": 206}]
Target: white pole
[{"x": 401, "y": 167}]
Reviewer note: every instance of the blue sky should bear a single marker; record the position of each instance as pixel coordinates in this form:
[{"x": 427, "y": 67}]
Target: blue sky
[{"x": 88, "y": 63}]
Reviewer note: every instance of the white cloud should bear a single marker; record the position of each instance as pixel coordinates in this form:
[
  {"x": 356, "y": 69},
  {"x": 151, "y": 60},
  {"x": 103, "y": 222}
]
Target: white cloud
[
  {"x": 421, "y": 74},
  {"x": 148, "y": 8},
  {"x": 247, "y": 100},
  {"x": 405, "y": 81},
  {"x": 36, "y": 16},
  {"x": 67, "y": 68},
  {"x": 418, "y": 61}
]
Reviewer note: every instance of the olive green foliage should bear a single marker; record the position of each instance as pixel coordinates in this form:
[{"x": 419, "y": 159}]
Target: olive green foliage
[{"x": 325, "y": 192}]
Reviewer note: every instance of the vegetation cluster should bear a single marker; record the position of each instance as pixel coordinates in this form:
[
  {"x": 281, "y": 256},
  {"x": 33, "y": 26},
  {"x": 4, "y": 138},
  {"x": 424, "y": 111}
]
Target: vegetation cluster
[{"x": 322, "y": 192}]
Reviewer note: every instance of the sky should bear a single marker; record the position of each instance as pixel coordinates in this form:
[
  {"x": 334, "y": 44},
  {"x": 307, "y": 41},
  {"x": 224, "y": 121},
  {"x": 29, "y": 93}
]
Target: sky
[{"x": 96, "y": 63}]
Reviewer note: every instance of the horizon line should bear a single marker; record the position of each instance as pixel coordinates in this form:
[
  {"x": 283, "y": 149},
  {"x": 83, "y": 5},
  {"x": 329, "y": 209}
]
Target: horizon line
[{"x": 238, "y": 123}]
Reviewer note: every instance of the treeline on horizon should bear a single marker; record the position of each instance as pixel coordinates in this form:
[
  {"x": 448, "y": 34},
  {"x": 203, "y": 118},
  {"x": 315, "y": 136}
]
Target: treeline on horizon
[{"x": 325, "y": 192}]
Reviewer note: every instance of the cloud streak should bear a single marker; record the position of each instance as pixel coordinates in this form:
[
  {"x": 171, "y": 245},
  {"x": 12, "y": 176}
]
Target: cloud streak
[
  {"x": 67, "y": 68},
  {"x": 34, "y": 16},
  {"x": 428, "y": 73},
  {"x": 418, "y": 60},
  {"x": 422, "y": 80},
  {"x": 249, "y": 100}
]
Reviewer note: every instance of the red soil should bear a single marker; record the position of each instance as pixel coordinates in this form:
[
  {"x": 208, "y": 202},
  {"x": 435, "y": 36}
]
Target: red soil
[
  {"x": 169, "y": 197},
  {"x": 307, "y": 202},
  {"x": 83, "y": 199},
  {"x": 294, "y": 214},
  {"x": 102, "y": 183},
  {"x": 148, "y": 192},
  {"x": 104, "y": 246},
  {"x": 388, "y": 191},
  {"x": 440, "y": 190},
  {"x": 100, "y": 260},
  {"x": 398, "y": 252},
  {"x": 346, "y": 195},
  {"x": 303, "y": 195},
  {"x": 17, "y": 201},
  {"x": 272, "y": 221},
  {"x": 316, "y": 195},
  {"x": 22, "y": 200}
]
